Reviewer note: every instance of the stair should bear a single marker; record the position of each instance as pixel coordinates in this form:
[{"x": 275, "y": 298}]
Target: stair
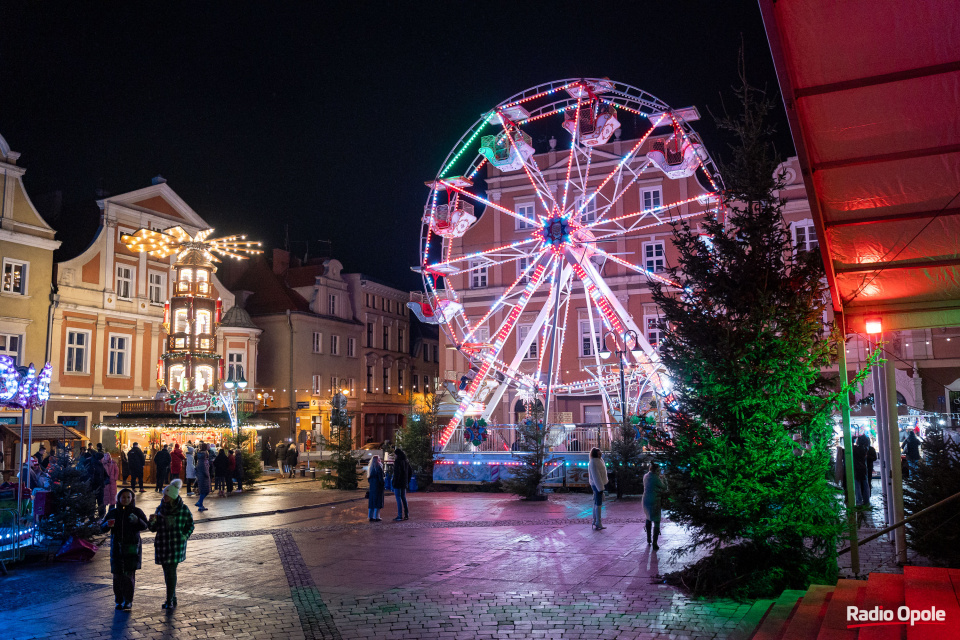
[{"x": 820, "y": 612}]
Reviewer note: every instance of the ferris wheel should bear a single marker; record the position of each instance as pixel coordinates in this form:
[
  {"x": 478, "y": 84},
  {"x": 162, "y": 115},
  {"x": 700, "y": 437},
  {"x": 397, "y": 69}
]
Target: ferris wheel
[{"x": 558, "y": 246}]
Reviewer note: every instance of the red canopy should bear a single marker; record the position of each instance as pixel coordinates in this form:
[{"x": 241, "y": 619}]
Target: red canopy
[{"x": 872, "y": 92}]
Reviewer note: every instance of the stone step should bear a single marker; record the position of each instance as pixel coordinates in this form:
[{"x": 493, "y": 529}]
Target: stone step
[
  {"x": 808, "y": 617},
  {"x": 749, "y": 623},
  {"x": 926, "y": 587},
  {"x": 775, "y": 622},
  {"x": 834, "y": 626},
  {"x": 884, "y": 590}
]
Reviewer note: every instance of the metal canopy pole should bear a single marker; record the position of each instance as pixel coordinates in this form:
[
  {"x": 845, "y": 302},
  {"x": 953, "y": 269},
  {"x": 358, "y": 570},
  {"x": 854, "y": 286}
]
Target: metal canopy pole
[
  {"x": 883, "y": 441},
  {"x": 848, "y": 458},
  {"x": 896, "y": 475}
]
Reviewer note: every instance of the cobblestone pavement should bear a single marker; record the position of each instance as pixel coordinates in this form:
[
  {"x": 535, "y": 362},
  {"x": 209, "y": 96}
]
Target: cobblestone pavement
[{"x": 466, "y": 565}]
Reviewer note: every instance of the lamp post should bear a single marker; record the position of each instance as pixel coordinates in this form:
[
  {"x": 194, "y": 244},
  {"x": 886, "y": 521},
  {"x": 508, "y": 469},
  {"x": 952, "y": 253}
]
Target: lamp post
[
  {"x": 234, "y": 383},
  {"x": 636, "y": 351}
]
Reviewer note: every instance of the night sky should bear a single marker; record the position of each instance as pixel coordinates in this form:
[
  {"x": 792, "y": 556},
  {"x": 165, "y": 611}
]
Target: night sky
[{"x": 327, "y": 117}]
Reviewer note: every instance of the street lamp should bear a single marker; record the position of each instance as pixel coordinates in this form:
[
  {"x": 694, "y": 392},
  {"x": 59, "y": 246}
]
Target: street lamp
[
  {"x": 636, "y": 351},
  {"x": 235, "y": 382}
]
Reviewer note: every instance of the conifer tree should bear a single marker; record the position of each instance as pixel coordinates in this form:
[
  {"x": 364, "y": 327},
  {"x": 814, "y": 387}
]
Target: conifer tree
[
  {"x": 937, "y": 534},
  {"x": 744, "y": 342},
  {"x": 526, "y": 479},
  {"x": 417, "y": 436},
  {"x": 342, "y": 436},
  {"x": 74, "y": 504}
]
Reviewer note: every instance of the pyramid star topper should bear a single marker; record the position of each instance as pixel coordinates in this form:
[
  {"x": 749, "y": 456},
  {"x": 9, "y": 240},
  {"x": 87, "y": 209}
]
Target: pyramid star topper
[{"x": 161, "y": 244}]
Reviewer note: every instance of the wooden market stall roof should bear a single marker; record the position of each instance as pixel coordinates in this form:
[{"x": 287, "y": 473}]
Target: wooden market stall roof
[
  {"x": 43, "y": 432},
  {"x": 872, "y": 91}
]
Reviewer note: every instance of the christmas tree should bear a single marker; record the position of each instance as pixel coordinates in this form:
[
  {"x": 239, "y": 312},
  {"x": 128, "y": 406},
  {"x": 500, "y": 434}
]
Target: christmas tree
[
  {"x": 935, "y": 535},
  {"x": 526, "y": 479},
  {"x": 627, "y": 458},
  {"x": 74, "y": 504},
  {"x": 748, "y": 451},
  {"x": 345, "y": 463},
  {"x": 416, "y": 438}
]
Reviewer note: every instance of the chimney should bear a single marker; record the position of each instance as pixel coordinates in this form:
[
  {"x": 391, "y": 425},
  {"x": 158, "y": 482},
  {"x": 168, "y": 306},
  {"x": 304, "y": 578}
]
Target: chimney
[
  {"x": 281, "y": 261},
  {"x": 157, "y": 179}
]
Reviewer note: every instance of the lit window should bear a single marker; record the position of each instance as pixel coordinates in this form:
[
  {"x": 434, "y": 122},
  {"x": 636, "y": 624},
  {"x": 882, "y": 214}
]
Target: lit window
[
  {"x": 351, "y": 347},
  {"x": 653, "y": 259},
  {"x": 651, "y": 198},
  {"x": 186, "y": 275},
  {"x": 527, "y": 210},
  {"x": 77, "y": 346},
  {"x": 522, "y": 332},
  {"x": 426, "y": 384},
  {"x": 10, "y": 346},
  {"x": 589, "y": 213},
  {"x": 351, "y": 386},
  {"x": 652, "y": 330},
  {"x": 155, "y": 289},
  {"x": 124, "y": 282},
  {"x": 478, "y": 275},
  {"x": 203, "y": 379},
  {"x": 180, "y": 324},
  {"x": 176, "y": 375},
  {"x": 119, "y": 346},
  {"x": 14, "y": 277},
  {"x": 203, "y": 322}
]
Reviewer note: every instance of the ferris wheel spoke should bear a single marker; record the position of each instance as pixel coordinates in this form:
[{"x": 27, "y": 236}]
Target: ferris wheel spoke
[
  {"x": 542, "y": 190},
  {"x": 649, "y": 212},
  {"x": 637, "y": 268},
  {"x": 488, "y": 203},
  {"x": 485, "y": 254},
  {"x": 573, "y": 148},
  {"x": 637, "y": 227}
]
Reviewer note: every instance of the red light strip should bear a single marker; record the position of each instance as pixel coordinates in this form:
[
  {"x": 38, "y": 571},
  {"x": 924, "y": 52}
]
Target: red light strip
[
  {"x": 478, "y": 254},
  {"x": 539, "y": 95},
  {"x": 599, "y": 299},
  {"x": 496, "y": 305},
  {"x": 526, "y": 169},
  {"x": 491, "y": 204},
  {"x": 573, "y": 145},
  {"x": 655, "y": 224},
  {"x": 653, "y": 210},
  {"x": 639, "y": 269}
]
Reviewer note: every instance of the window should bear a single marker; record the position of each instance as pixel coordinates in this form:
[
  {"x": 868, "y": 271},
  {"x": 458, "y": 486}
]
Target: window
[
  {"x": 415, "y": 383},
  {"x": 653, "y": 256},
  {"x": 386, "y": 337},
  {"x": 202, "y": 275},
  {"x": 370, "y": 334},
  {"x": 350, "y": 385},
  {"x": 10, "y": 346},
  {"x": 436, "y": 353},
  {"x": 522, "y": 332},
  {"x": 527, "y": 210},
  {"x": 482, "y": 335},
  {"x": 426, "y": 352},
  {"x": 203, "y": 322},
  {"x": 478, "y": 275},
  {"x": 334, "y": 345},
  {"x": 383, "y": 304},
  {"x": 334, "y": 386},
  {"x": 14, "y": 277},
  {"x": 651, "y": 198},
  {"x": 317, "y": 342},
  {"x": 369, "y": 379},
  {"x": 589, "y": 341},
  {"x": 317, "y": 382},
  {"x": 155, "y": 288},
  {"x": 351, "y": 347},
  {"x": 522, "y": 265},
  {"x": 589, "y": 213},
  {"x": 203, "y": 378},
  {"x": 332, "y": 304},
  {"x": 119, "y": 356},
  {"x": 400, "y": 339},
  {"x": 652, "y": 330},
  {"x": 426, "y": 384},
  {"x": 78, "y": 343},
  {"x": 235, "y": 364},
  {"x": 386, "y": 379},
  {"x": 400, "y": 381},
  {"x": 805, "y": 237},
  {"x": 124, "y": 281},
  {"x": 186, "y": 275}
]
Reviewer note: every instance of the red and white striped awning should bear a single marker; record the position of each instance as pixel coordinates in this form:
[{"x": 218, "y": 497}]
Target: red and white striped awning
[{"x": 872, "y": 92}]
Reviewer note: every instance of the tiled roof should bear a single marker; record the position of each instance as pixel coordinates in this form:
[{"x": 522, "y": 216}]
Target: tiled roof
[{"x": 270, "y": 293}]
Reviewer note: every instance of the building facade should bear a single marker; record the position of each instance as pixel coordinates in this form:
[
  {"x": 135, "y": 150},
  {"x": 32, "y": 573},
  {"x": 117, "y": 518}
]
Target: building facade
[{"x": 107, "y": 332}]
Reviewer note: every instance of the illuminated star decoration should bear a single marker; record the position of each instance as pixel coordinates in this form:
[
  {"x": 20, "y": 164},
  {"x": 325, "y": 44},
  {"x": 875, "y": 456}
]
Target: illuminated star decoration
[{"x": 161, "y": 244}]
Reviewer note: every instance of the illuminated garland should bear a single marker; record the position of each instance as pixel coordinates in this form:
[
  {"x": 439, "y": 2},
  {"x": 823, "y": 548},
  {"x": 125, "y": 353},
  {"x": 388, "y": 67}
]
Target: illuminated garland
[{"x": 28, "y": 391}]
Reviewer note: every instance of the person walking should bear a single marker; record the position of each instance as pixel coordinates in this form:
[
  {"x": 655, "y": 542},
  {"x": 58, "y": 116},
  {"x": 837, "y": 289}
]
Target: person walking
[
  {"x": 231, "y": 471},
  {"x": 177, "y": 460},
  {"x": 282, "y": 456},
  {"x": 125, "y": 523},
  {"x": 190, "y": 466},
  {"x": 161, "y": 465},
  {"x": 654, "y": 486},
  {"x": 911, "y": 446},
  {"x": 238, "y": 470},
  {"x": 375, "y": 478},
  {"x": 220, "y": 468},
  {"x": 860, "y": 482},
  {"x": 124, "y": 466},
  {"x": 111, "y": 477},
  {"x": 203, "y": 476},
  {"x": 597, "y": 475},
  {"x": 136, "y": 461},
  {"x": 173, "y": 524},
  {"x": 401, "y": 478},
  {"x": 291, "y": 460}
]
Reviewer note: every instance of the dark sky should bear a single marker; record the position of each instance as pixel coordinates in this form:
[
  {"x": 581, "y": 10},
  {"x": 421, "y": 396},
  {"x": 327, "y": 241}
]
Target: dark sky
[{"x": 327, "y": 116}]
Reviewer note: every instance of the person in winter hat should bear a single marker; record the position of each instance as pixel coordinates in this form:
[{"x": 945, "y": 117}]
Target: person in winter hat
[
  {"x": 125, "y": 522},
  {"x": 111, "y": 477},
  {"x": 597, "y": 474},
  {"x": 203, "y": 475},
  {"x": 654, "y": 486},
  {"x": 191, "y": 469},
  {"x": 177, "y": 460},
  {"x": 173, "y": 523}
]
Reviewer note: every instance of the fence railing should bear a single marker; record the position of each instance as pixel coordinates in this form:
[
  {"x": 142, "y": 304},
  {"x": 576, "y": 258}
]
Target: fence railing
[
  {"x": 559, "y": 439},
  {"x": 10, "y": 544}
]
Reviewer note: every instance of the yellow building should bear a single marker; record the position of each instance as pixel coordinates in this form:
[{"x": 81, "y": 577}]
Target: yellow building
[{"x": 26, "y": 265}]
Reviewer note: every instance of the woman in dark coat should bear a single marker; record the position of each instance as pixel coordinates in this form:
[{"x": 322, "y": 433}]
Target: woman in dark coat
[
  {"x": 124, "y": 467},
  {"x": 401, "y": 478},
  {"x": 125, "y": 521},
  {"x": 203, "y": 475},
  {"x": 221, "y": 466},
  {"x": 375, "y": 498},
  {"x": 173, "y": 523},
  {"x": 292, "y": 456}
]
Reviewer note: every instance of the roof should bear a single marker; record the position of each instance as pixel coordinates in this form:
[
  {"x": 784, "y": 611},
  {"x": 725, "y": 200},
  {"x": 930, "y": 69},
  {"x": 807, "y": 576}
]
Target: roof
[
  {"x": 45, "y": 432},
  {"x": 237, "y": 317},
  {"x": 871, "y": 90},
  {"x": 270, "y": 293}
]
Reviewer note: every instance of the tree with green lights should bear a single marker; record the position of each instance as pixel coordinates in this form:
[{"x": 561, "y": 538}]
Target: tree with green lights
[
  {"x": 627, "y": 457},
  {"x": 749, "y": 446}
]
